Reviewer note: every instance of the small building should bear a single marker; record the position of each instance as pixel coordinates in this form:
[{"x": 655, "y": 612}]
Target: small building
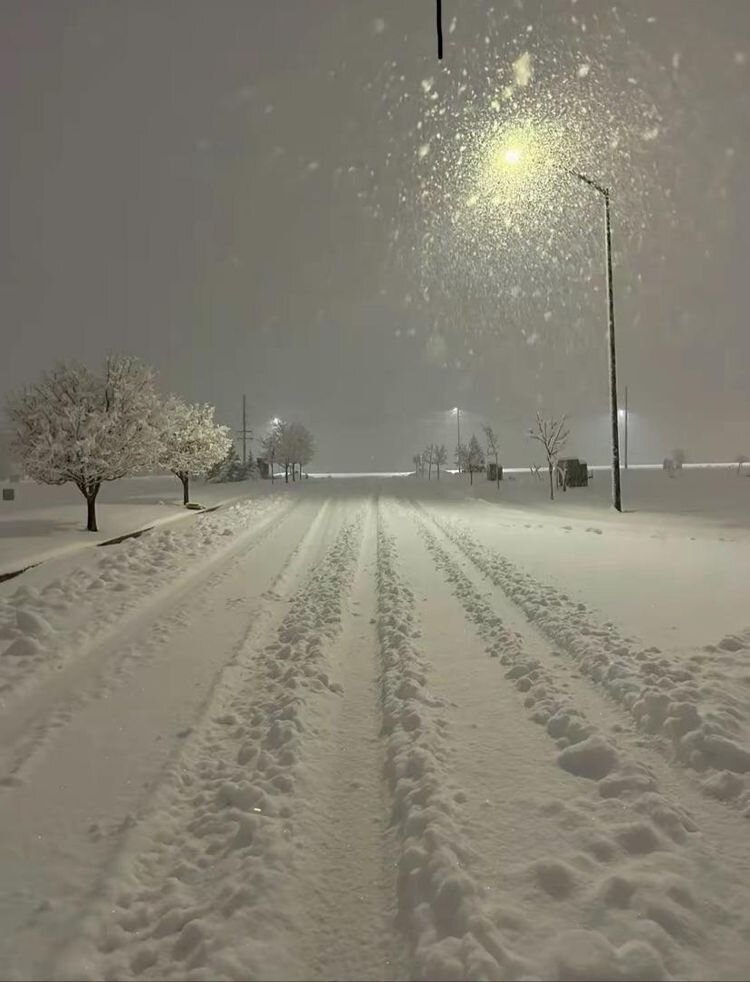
[
  {"x": 263, "y": 469},
  {"x": 494, "y": 472}
]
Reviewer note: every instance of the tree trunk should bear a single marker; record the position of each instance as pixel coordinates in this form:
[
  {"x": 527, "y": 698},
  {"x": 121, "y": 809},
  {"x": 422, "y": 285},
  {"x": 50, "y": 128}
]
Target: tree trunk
[
  {"x": 438, "y": 472},
  {"x": 273, "y": 476},
  {"x": 471, "y": 474},
  {"x": 91, "y": 494},
  {"x": 497, "y": 471},
  {"x": 185, "y": 478},
  {"x": 551, "y": 486},
  {"x": 286, "y": 473}
]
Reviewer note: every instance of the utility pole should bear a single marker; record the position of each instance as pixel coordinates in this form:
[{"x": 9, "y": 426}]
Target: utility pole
[
  {"x": 244, "y": 431},
  {"x": 626, "y": 427},
  {"x": 616, "y": 491}
]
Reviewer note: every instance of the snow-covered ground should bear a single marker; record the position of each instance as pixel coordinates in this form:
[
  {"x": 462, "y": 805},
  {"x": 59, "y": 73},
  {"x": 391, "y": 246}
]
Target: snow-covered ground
[
  {"x": 385, "y": 728},
  {"x": 46, "y": 521}
]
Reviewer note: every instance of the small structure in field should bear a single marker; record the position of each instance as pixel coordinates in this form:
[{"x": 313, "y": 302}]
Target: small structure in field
[
  {"x": 494, "y": 471},
  {"x": 572, "y": 473}
]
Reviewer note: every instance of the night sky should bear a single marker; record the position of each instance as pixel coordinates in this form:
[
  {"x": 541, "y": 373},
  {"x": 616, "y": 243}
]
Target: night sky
[{"x": 286, "y": 199}]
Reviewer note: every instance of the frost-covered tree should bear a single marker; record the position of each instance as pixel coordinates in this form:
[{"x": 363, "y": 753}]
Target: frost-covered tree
[
  {"x": 284, "y": 447},
  {"x": 474, "y": 458},
  {"x": 441, "y": 457},
  {"x": 552, "y": 434},
  {"x": 191, "y": 441},
  {"x": 292, "y": 446},
  {"x": 270, "y": 445},
  {"x": 79, "y": 427},
  {"x": 303, "y": 447},
  {"x": 493, "y": 449},
  {"x": 231, "y": 468}
]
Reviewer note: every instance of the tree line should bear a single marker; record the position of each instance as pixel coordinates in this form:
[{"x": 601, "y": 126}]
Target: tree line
[
  {"x": 469, "y": 458},
  {"x": 85, "y": 428}
]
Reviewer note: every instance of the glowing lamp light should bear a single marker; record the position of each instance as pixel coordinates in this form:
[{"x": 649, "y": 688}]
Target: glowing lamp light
[{"x": 512, "y": 156}]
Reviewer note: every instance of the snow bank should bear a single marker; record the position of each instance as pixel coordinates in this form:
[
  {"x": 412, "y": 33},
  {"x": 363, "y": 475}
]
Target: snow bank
[{"x": 43, "y": 627}]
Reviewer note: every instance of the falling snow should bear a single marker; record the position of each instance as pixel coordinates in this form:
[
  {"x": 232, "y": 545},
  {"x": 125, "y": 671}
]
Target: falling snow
[{"x": 522, "y": 70}]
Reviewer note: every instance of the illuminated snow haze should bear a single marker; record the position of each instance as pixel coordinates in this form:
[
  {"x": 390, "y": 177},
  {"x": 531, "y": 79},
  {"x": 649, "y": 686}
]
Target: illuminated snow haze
[{"x": 300, "y": 202}]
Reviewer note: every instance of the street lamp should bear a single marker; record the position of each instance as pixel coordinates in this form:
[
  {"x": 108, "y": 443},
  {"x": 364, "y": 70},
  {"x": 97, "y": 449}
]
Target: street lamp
[
  {"x": 513, "y": 155},
  {"x": 605, "y": 193}
]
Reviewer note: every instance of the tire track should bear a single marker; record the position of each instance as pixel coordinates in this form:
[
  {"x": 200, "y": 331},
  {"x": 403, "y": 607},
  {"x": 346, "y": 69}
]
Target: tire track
[
  {"x": 439, "y": 910},
  {"x": 38, "y": 714},
  {"x": 203, "y": 886},
  {"x": 704, "y": 726},
  {"x": 667, "y": 867},
  {"x": 345, "y": 875}
]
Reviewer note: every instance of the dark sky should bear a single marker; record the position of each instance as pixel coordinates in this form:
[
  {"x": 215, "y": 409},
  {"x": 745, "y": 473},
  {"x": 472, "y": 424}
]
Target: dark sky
[{"x": 277, "y": 197}]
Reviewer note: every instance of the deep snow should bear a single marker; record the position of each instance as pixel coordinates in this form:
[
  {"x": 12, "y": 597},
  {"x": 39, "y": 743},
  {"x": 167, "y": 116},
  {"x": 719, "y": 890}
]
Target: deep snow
[
  {"x": 45, "y": 521},
  {"x": 384, "y": 728}
]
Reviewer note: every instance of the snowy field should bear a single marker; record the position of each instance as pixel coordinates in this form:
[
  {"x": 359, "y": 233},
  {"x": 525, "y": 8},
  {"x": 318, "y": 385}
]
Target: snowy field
[
  {"x": 385, "y": 728},
  {"x": 46, "y": 521}
]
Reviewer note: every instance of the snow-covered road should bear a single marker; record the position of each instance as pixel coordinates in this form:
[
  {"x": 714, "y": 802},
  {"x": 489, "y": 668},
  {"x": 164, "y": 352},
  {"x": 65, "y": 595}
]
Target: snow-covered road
[{"x": 356, "y": 731}]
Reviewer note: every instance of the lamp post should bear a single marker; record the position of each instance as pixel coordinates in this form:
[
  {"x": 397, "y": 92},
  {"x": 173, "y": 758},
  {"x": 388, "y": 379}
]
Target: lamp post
[
  {"x": 523, "y": 153},
  {"x": 605, "y": 193}
]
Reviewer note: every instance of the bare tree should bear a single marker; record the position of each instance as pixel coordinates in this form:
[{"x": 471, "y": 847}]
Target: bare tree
[
  {"x": 552, "y": 434},
  {"x": 492, "y": 449},
  {"x": 441, "y": 457},
  {"x": 270, "y": 444},
  {"x": 474, "y": 458},
  {"x": 428, "y": 455},
  {"x": 417, "y": 461},
  {"x": 740, "y": 459},
  {"x": 461, "y": 453}
]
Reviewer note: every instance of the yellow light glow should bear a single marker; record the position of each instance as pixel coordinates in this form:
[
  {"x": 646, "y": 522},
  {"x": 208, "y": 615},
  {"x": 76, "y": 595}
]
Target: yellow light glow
[{"x": 512, "y": 156}]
